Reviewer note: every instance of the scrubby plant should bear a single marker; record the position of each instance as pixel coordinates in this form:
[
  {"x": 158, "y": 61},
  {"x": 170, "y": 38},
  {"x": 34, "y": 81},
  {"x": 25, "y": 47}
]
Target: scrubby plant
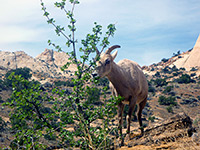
[
  {"x": 157, "y": 74},
  {"x": 167, "y": 100},
  {"x": 160, "y": 82},
  {"x": 1, "y": 100},
  {"x": 185, "y": 78},
  {"x": 170, "y": 108},
  {"x": 168, "y": 89},
  {"x": 164, "y": 60},
  {"x": 166, "y": 70},
  {"x": 152, "y": 118},
  {"x": 2, "y": 125},
  {"x": 2, "y": 85},
  {"x": 32, "y": 122},
  {"x": 68, "y": 83},
  {"x": 193, "y": 74},
  {"x": 193, "y": 69},
  {"x": 24, "y": 72},
  {"x": 182, "y": 68},
  {"x": 174, "y": 68}
]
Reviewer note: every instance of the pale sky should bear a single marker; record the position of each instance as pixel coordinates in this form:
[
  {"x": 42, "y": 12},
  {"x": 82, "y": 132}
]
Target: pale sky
[{"x": 147, "y": 30}]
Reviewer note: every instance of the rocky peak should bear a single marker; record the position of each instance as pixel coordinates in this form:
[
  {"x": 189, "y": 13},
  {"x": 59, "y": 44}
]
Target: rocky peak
[
  {"x": 46, "y": 66},
  {"x": 47, "y": 56}
]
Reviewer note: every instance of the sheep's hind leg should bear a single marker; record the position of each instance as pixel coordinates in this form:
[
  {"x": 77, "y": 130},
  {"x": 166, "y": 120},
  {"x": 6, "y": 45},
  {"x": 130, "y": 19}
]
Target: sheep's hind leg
[
  {"x": 139, "y": 114},
  {"x": 130, "y": 112}
]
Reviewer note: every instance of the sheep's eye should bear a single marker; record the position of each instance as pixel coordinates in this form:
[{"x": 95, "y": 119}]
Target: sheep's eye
[{"x": 107, "y": 61}]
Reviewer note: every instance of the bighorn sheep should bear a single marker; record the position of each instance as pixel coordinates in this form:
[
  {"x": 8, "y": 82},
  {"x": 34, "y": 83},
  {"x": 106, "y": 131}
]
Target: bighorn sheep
[{"x": 127, "y": 80}]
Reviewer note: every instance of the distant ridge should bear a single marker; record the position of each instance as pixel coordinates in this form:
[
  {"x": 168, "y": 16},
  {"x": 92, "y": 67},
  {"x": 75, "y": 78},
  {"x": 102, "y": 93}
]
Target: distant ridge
[
  {"x": 191, "y": 59},
  {"x": 188, "y": 60},
  {"x": 45, "y": 67}
]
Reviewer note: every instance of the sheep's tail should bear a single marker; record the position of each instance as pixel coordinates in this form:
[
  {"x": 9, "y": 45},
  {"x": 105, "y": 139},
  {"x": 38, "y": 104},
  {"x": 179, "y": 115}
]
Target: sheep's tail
[{"x": 110, "y": 49}]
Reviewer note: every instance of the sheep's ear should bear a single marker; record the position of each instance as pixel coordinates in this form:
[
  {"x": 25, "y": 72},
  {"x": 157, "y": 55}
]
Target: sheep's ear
[{"x": 114, "y": 55}]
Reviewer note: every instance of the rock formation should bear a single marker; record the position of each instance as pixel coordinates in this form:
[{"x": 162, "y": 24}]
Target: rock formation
[
  {"x": 190, "y": 60},
  {"x": 45, "y": 66}
]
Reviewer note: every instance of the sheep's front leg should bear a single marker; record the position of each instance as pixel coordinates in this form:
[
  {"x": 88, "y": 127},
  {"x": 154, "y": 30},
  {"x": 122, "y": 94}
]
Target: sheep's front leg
[
  {"x": 120, "y": 118},
  {"x": 132, "y": 104}
]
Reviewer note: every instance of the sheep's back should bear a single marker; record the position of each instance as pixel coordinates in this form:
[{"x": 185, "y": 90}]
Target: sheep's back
[{"x": 134, "y": 76}]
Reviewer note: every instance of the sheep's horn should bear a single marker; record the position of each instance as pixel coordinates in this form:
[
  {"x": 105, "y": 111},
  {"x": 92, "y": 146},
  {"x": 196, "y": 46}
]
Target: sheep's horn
[{"x": 110, "y": 49}]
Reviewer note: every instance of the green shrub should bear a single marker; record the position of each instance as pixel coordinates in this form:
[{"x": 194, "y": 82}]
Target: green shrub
[
  {"x": 60, "y": 83},
  {"x": 104, "y": 82},
  {"x": 164, "y": 60},
  {"x": 160, "y": 82},
  {"x": 193, "y": 69},
  {"x": 185, "y": 78},
  {"x": 2, "y": 125},
  {"x": 157, "y": 74},
  {"x": 2, "y": 85},
  {"x": 68, "y": 83},
  {"x": 174, "y": 68},
  {"x": 32, "y": 122},
  {"x": 182, "y": 68},
  {"x": 93, "y": 95},
  {"x": 152, "y": 118},
  {"x": 168, "y": 89},
  {"x": 166, "y": 70},
  {"x": 170, "y": 108},
  {"x": 167, "y": 100},
  {"x": 193, "y": 74},
  {"x": 23, "y": 72},
  {"x": 1, "y": 100},
  {"x": 151, "y": 89}
]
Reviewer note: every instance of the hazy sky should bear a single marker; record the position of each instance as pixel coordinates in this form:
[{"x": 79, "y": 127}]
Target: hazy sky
[{"x": 147, "y": 30}]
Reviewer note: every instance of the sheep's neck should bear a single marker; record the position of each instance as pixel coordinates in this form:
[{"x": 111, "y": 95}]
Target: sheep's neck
[{"x": 115, "y": 75}]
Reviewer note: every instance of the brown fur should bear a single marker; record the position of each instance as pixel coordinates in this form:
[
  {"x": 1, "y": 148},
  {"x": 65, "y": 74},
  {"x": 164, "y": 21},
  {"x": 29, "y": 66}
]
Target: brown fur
[{"x": 127, "y": 80}]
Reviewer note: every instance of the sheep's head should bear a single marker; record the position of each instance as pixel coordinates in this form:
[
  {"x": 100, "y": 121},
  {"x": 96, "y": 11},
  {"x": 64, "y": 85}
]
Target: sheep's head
[{"x": 104, "y": 65}]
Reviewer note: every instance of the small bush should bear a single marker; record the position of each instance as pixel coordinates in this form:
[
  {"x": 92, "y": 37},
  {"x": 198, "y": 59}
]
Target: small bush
[
  {"x": 193, "y": 74},
  {"x": 164, "y": 60},
  {"x": 51, "y": 137},
  {"x": 176, "y": 73},
  {"x": 157, "y": 74},
  {"x": 167, "y": 100},
  {"x": 166, "y": 70},
  {"x": 1, "y": 100},
  {"x": 185, "y": 78},
  {"x": 152, "y": 89},
  {"x": 160, "y": 82},
  {"x": 182, "y": 68},
  {"x": 193, "y": 69},
  {"x": 104, "y": 82},
  {"x": 174, "y": 68},
  {"x": 168, "y": 89},
  {"x": 2, "y": 85},
  {"x": 2, "y": 124},
  {"x": 24, "y": 72},
  {"x": 152, "y": 118},
  {"x": 93, "y": 95},
  {"x": 170, "y": 108}
]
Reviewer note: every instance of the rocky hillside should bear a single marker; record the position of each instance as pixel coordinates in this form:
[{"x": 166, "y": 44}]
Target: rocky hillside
[
  {"x": 189, "y": 60},
  {"x": 45, "y": 67},
  {"x": 174, "y": 87}
]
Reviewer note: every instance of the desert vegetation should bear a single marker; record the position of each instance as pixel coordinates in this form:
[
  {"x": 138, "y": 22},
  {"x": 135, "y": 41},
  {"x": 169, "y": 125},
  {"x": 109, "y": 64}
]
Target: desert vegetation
[
  {"x": 34, "y": 124},
  {"x": 80, "y": 112}
]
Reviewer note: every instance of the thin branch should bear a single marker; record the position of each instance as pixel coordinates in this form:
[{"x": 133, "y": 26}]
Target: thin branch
[{"x": 44, "y": 9}]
